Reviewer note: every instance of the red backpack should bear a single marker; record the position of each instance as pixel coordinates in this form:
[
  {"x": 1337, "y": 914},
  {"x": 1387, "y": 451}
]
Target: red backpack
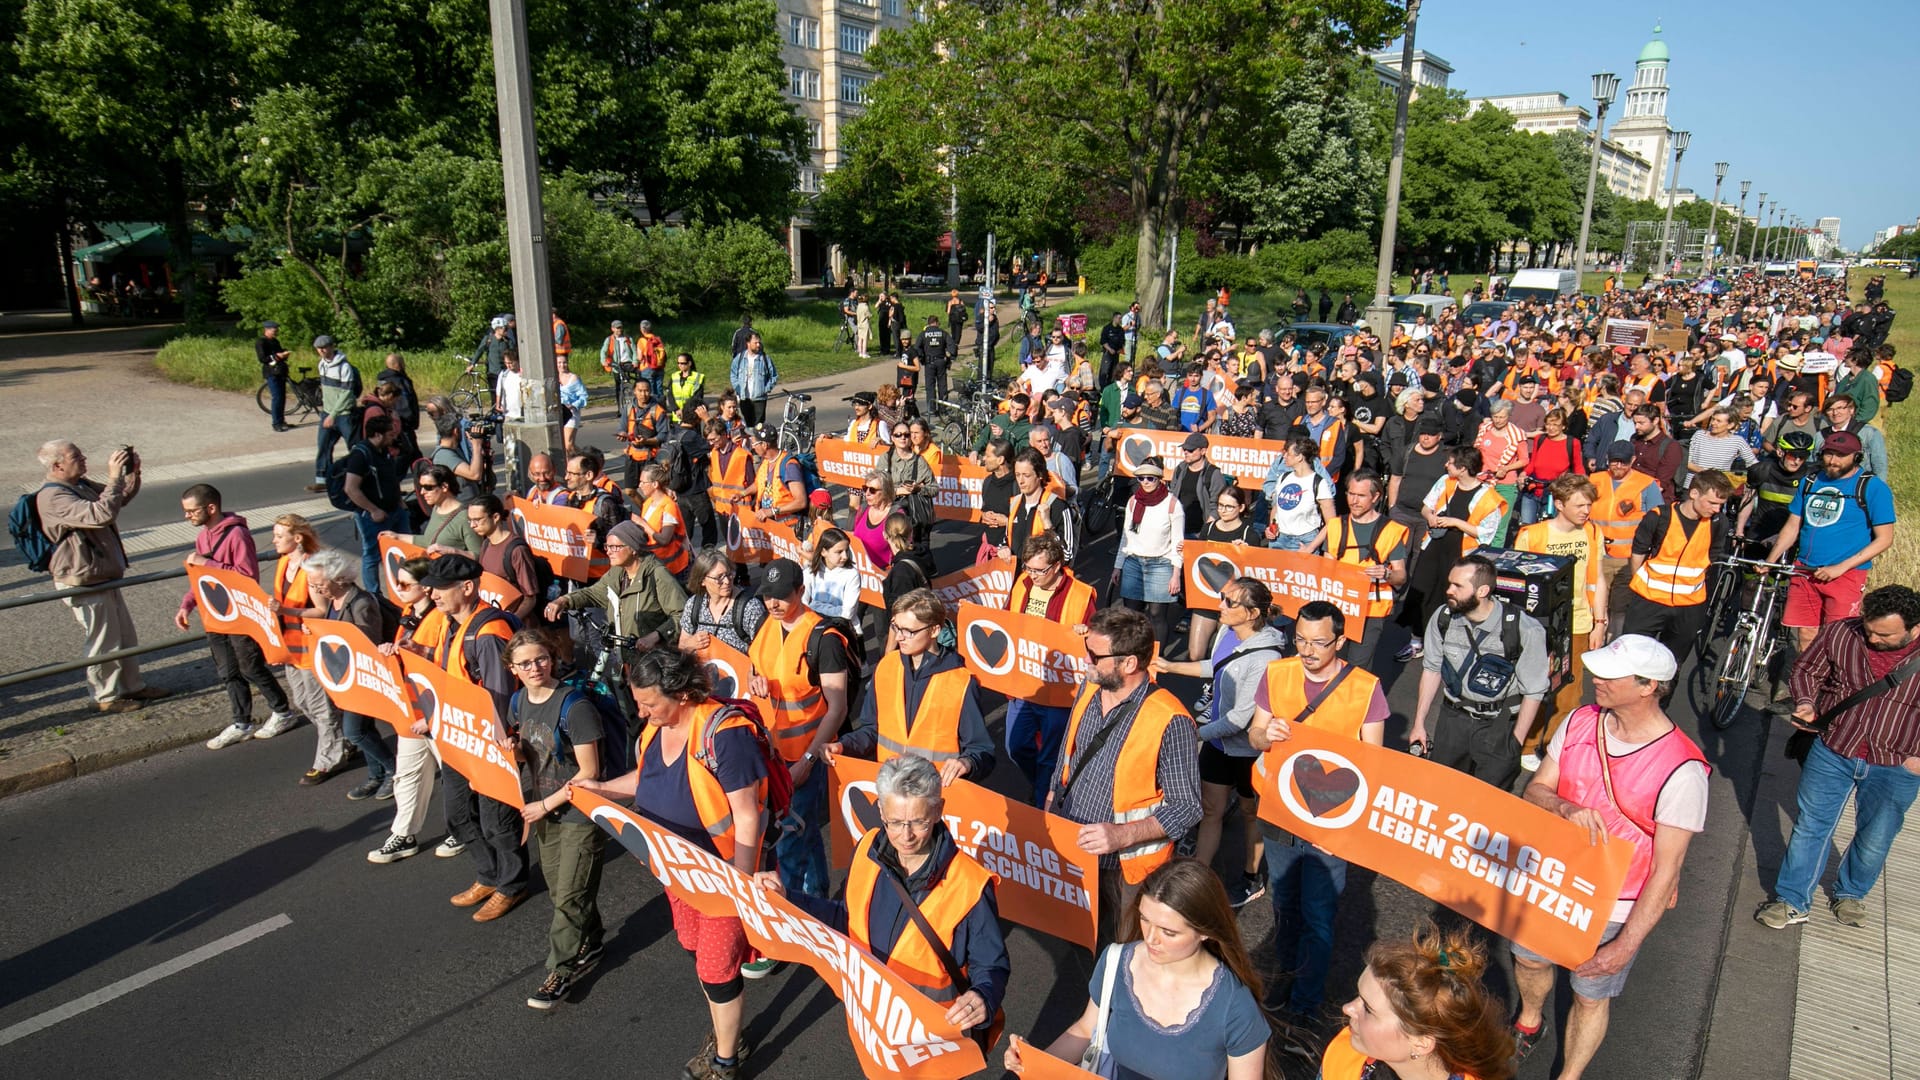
[{"x": 779, "y": 779}]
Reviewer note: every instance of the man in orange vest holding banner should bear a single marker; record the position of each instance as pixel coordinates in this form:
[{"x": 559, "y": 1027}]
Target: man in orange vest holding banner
[
  {"x": 1369, "y": 539},
  {"x": 1673, "y": 550},
  {"x": 1046, "y": 589},
  {"x": 806, "y": 668},
  {"x": 590, "y": 489},
  {"x": 922, "y": 700},
  {"x": 659, "y": 517},
  {"x": 1317, "y": 688},
  {"x": 1623, "y": 496},
  {"x": 1129, "y": 768},
  {"x": 475, "y": 649},
  {"x": 1650, "y": 789}
]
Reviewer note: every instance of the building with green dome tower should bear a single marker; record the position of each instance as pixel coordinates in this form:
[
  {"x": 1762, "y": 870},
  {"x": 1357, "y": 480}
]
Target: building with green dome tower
[{"x": 1642, "y": 127}]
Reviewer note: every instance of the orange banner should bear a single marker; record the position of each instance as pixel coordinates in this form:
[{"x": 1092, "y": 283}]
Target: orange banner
[
  {"x": 233, "y": 603},
  {"x": 1246, "y": 460},
  {"x": 1037, "y": 1064},
  {"x": 1046, "y": 882},
  {"x": 1295, "y": 578},
  {"x": 464, "y": 728},
  {"x": 728, "y": 671},
  {"x": 986, "y": 584},
  {"x": 895, "y": 1030},
  {"x": 356, "y": 677},
  {"x": 1523, "y": 872},
  {"x": 494, "y": 589},
  {"x": 959, "y": 479},
  {"x": 561, "y": 535},
  {"x": 1021, "y": 656},
  {"x": 753, "y": 539}
]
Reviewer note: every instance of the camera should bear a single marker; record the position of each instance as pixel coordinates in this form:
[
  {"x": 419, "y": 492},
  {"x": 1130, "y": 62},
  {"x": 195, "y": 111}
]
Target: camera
[{"x": 481, "y": 426}]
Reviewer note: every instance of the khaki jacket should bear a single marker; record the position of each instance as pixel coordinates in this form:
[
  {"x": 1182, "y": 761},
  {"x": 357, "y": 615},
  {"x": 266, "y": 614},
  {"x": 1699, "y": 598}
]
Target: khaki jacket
[{"x": 80, "y": 520}]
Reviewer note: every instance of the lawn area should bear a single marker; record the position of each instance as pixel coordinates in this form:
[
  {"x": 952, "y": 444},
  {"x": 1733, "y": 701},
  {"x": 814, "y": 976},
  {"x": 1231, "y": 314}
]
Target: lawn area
[{"x": 1901, "y": 564}]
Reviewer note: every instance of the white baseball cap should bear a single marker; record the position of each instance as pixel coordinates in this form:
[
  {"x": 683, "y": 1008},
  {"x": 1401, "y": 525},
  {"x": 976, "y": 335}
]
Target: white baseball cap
[{"x": 1631, "y": 654}]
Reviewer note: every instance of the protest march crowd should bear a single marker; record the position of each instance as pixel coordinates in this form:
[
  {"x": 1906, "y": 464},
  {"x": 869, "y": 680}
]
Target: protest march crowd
[{"x": 753, "y": 666}]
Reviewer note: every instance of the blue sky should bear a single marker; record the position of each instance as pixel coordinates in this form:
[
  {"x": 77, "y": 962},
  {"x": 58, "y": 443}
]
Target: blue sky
[{"x": 1813, "y": 102}]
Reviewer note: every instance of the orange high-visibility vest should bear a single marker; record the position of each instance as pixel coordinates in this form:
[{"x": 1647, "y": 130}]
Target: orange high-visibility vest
[
  {"x": 798, "y": 705},
  {"x": 647, "y": 419},
  {"x": 868, "y": 436},
  {"x": 1341, "y": 1061},
  {"x": 1136, "y": 787},
  {"x": 291, "y": 591},
  {"x": 769, "y": 489},
  {"x": 453, "y": 647},
  {"x": 709, "y": 798},
  {"x": 653, "y": 513},
  {"x": 1486, "y": 503},
  {"x": 428, "y": 635},
  {"x": 1071, "y": 605},
  {"x": 562, "y": 341},
  {"x": 728, "y": 478},
  {"x": 1341, "y": 544},
  {"x": 946, "y": 906},
  {"x": 1534, "y": 538},
  {"x": 1676, "y": 575},
  {"x": 1329, "y": 442},
  {"x": 934, "y": 732},
  {"x": 1618, "y": 510}
]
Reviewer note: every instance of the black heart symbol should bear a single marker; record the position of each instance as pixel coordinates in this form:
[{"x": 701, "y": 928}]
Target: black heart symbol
[
  {"x": 1140, "y": 451},
  {"x": 395, "y": 557},
  {"x": 214, "y": 595},
  {"x": 722, "y": 684},
  {"x": 1324, "y": 790},
  {"x": 424, "y": 702},
  {"x": 1215, "y": 573},
  {"x": 866, "y": 809},
  {"x": 989, "y": 644},
  {"x": 336, "y": 660}
]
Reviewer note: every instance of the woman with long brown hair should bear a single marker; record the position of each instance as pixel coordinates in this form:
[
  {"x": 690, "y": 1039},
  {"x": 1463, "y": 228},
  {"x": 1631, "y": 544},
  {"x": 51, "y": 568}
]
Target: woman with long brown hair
[
  {"x": 1422, "y": 1014},
  {"x": 1183, "y": 1002}
]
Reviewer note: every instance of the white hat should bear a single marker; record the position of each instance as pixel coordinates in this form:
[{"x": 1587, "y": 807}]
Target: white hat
[{"x": 1631, "y": 654}]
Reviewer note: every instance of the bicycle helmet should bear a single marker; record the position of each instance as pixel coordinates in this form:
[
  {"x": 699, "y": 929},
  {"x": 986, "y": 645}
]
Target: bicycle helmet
[{"x": 1796, "y": 442}]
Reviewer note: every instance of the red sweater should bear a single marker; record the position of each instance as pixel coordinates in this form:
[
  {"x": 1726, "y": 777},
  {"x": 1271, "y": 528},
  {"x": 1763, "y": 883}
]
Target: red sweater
[{"x": 1554, "y": 458}]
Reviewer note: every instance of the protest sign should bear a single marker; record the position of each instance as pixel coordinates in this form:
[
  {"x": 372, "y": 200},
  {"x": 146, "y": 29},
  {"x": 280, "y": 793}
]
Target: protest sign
[
  {"x": 233, "y": 603},
  {"x": 465, "y": 729},
  {"x": 356, "y": 677},
  {"x": 728, "y": 673},
  {"x": 1629, "y": 332},
  {"x": 563, "y": 536},
  {"x": 1246, "y": 460},
  {"x": 987, "y": 584},
  {"x": 1046, "y": 882},
  {"x": 958, "y": 481},
  {"x": 1523, "y": 872},
  {"x": 1037, "y": 1064},
  {"x": 1295, "y": 578},
  {"x": 1022, "y": 656},
  {"x": 895, "y": 1029},
  {"x": 754, "y": 539},
  {"x": 394, "y": 551}
]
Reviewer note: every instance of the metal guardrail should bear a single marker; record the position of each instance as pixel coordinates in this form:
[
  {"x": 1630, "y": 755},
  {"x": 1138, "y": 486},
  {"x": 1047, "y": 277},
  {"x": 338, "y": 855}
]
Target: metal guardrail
[{"x": 62, "y": 668}]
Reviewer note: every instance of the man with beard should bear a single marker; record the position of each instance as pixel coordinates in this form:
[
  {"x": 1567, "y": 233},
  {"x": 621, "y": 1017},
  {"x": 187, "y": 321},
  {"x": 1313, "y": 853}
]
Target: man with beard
[{"x": 1487, "y": 663}]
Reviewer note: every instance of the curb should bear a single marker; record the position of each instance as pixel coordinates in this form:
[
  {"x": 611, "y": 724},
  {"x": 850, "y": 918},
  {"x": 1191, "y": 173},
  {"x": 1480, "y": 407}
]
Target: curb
[{"x": 161, "y": 732}]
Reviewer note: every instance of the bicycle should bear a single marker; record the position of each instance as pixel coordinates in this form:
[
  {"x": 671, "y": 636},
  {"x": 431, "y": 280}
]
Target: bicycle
[
  {"x": 303, "y": 395},
  {"x": 956, "y": 426},
  {"x": 472, "y": 386},
  {"x": 844, "y": 339},
  {"x": 1754, "y": 642},
  {"x": 795, "y": 433}
]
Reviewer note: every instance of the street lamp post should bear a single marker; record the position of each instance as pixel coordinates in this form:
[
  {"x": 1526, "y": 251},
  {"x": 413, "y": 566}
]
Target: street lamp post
[
  {"x": 1605, "y": 85},
  {"x": 1759, "y": 216},
  {"x": 1772, "y": 241},
  {"x": 1733, "y": 249},
  {"x": 1680, "y": 141},
  {"x": 1380, "y": 312},
  {"x": 1713, "y": 217}
]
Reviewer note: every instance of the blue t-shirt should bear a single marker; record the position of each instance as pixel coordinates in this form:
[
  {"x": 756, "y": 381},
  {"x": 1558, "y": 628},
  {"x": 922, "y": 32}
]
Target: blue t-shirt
[
  {"x": 1194, "y": 404},
  {"x": 665, "y": 795},
  {"x": 1832, "y": 525},
  {"x": 1227, "y": 1023}
]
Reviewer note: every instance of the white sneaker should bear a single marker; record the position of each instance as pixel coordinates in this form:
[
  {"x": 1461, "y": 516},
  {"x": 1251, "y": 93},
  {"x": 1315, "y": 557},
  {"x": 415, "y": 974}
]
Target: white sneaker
[
  {"x": 277, "y": 724},
  {"x": 449, "y": 848},
  {"x": 1530, "y": 762},
  {"x": 229, "y": 735},
  {"x": 395, "y": 849}
]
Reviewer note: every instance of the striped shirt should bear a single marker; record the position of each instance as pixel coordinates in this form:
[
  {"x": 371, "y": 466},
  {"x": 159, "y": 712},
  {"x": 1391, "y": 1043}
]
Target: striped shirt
[
  {"x": 1883, "y": 729},
  {"x": 1178, "y": 772},
  {"x": 1706, "y": 451}
]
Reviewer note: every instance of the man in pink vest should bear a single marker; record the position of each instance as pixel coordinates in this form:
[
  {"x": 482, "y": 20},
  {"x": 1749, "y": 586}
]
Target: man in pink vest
[{"x": 1649, "y": 788}]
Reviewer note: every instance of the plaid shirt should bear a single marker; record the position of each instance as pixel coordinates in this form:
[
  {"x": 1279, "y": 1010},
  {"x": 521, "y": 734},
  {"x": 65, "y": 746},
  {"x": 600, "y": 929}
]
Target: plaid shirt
[
  {"x": 1882, "y": 730},
  {"x": 1090, "y": 800}
]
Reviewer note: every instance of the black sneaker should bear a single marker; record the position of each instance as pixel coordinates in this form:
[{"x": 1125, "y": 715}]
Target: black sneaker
[
  {"x": 366, "y": 789},
  {"x": 553, "y": 991},
  {"x": 1525, "y": 1042},
  {"x": 587, "y": 958},
  {"x": 1249, "y": 888}
]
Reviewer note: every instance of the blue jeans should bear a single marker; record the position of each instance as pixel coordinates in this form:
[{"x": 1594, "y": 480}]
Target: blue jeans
[
  {"x": 1304, "y": 884},
  {"x": 361, "y": 732},
  {"x": 1034, "y": 733},
  {"x": 1881, "y": 795},
  {"x": 801, "y": 851},
  {"x": 277, "y": 392},
  {"x": 369, "y": 531},
  {"x": 1532, "y": 507},
  {"x": 341, "y": 431},
  {"x": 652, "y": 375}
]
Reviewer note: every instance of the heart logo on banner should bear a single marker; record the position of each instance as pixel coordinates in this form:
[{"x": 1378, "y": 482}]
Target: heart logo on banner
[
  {"x": 1214, "y": 571},
  {"x": 1139, "y": 450},
  {"x": 990, "y": 647},
  {"x": 863, "y": 810},
  {"x": 722, "y": 680},
  {"x": 336, "y": 663},
  {"x": 1324, "y": 790},
  {"x": 425, "y": 704},
  {"x": 215, "y": 598},
  {"x": 395, "y": 559}
]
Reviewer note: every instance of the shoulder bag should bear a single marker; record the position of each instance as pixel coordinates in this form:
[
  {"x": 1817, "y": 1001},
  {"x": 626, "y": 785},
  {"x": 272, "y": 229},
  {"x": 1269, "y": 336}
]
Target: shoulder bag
[{"x": 1095, "y": 1059}]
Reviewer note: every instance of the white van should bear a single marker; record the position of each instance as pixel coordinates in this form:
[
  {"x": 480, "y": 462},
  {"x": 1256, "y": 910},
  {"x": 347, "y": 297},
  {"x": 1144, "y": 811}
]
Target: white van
[{"x": 1545, "y": 286}]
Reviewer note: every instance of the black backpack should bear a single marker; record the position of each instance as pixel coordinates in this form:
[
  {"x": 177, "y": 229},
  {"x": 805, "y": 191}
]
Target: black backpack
[
  {"x": 1859, "y": 491},
  {"x": 616, "y": 740},
  {"x": 856, "y": 654},
  {"x": 337, "y": 480},
  {"x": 683, "y": 468},
  {"x": 1899, "y": 385}
]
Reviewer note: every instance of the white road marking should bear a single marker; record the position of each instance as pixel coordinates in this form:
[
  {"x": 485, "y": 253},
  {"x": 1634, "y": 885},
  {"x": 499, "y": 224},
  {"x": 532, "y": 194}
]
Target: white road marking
[{"x": 134, "y": 982}]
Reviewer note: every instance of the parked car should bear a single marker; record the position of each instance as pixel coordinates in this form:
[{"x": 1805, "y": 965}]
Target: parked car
[
  {"x": 1306, "y": 333},
  {"x": 1409, "y": 306}
]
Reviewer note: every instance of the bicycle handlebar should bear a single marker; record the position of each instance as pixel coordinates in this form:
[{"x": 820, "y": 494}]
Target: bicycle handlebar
[{"x": 1735, "y": 561}]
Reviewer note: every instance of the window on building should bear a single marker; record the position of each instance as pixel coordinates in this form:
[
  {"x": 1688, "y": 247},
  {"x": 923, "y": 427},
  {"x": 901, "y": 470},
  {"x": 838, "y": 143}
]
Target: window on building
[
  {"x": 816, "y": 136},
  {"x": 803, "y": 83},
  {"x": 803, "y": 31},
  {"x": 853, "y": 89},
  {"x": 813, "y": 86},
  {"x": 891, "y": 7},
  {"x": 855, "y": 39}
]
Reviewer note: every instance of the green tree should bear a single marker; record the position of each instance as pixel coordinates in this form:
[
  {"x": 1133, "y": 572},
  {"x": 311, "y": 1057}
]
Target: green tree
[
  {"x": 1312, "y": 157},
  {"x": 886, "y": 203}
]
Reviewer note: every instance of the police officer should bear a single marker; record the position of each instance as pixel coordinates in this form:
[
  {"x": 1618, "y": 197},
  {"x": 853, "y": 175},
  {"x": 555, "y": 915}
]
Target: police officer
[
  {"x": 1486, "y": 662},
  {"x": 936, "y": 351}
]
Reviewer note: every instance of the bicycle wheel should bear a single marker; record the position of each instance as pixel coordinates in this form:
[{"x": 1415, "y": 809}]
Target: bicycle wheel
[
  {"x": 1735, "y": 677},
  {"x": 1726, "y": 586},
  {"x": 950, "y": 436},
  {"x": 464, "y": 400},
  {"x": 263, "y": 397},
  {"x": 303, "y": 399}
]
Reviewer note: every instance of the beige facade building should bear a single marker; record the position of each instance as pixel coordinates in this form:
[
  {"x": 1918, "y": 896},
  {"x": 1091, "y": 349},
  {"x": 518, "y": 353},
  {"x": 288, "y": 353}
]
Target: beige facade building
[{"x": 1625, "y": 173}]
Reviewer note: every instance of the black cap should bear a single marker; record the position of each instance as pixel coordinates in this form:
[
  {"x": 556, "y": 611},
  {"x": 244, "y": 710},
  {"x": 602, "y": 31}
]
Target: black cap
[
  {"x": 1527, "y": 380},
  {"x": 1428, "y": 424},
  {"x": 782, "y": 580},
  {"x": 1430, "y": 383},
  {"x": 760, "y": 433},
  {"x": 1620, "y": 451},
  {"x": 450, "y": 570},
  {"x": 864, "y": 397},
  {"x": 1195, "y": 441}
]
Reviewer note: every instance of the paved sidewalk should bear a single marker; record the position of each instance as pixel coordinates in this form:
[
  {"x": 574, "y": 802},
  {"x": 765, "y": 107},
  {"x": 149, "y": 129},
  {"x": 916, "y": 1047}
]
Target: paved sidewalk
[{"x": 1857, "y": 1009}]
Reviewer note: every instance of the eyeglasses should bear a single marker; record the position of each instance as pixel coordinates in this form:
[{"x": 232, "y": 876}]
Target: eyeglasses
[
  {"x": 913, "y": 825},
  {"x": 719, "y": 577},
  {"x": 1323, "y": 643},
  {"x": 615, "y": 545},
  {"x": 1094, "y": 657},
  {"x": 907, "y": 631},
  {"x": 1041, "y": 570},
  {"x": 426, "y": 487},
  {"x": 872, "y": 490},
  {"x": 1228, "y": 601},
  {"x": 534, "y": 664}
]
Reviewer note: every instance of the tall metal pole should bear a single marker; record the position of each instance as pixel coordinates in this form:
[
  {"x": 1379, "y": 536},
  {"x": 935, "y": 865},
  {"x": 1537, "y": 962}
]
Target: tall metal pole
[
  {"x": 539, "y": 429},
  {"x": 1733, "y": 249},
  {"x": 1680, "y": 141},
  {"x": 1767, "y": 245},
  {"x": 1713, "y": 218},
  {"x": 1380, "y": 312},
  {"x": 1605, "y": 85},
  {"x": 1759, "y": 215},
  {"x": 953, "y": 219}
]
